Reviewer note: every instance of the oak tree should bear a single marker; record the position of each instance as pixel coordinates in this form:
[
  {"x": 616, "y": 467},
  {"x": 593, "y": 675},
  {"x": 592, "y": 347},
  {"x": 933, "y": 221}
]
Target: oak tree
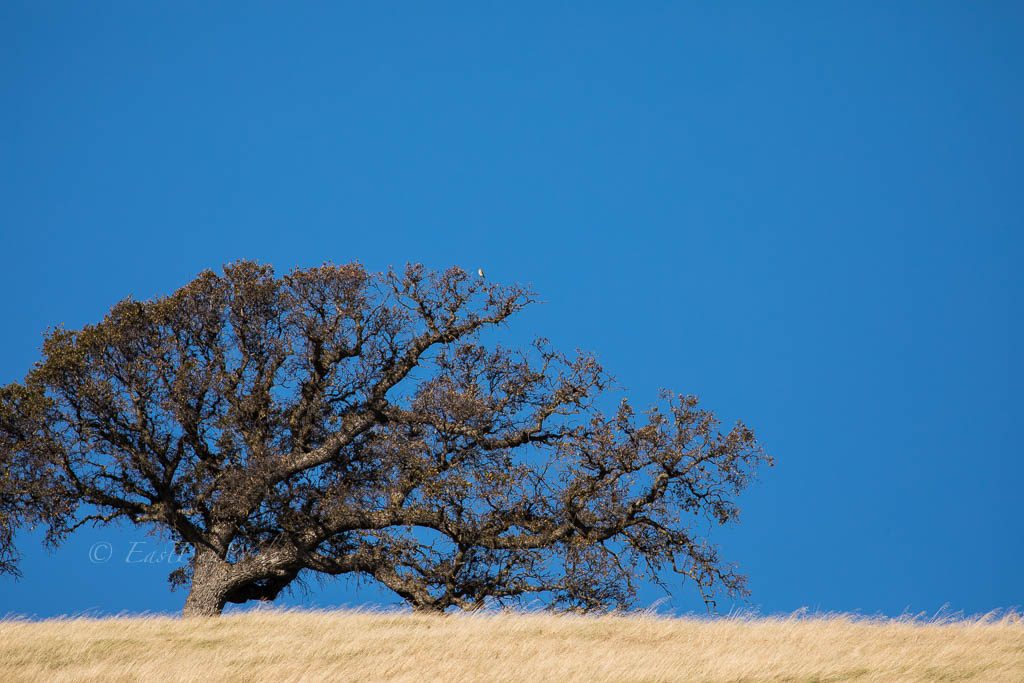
[{"x": 334, "y": 421}]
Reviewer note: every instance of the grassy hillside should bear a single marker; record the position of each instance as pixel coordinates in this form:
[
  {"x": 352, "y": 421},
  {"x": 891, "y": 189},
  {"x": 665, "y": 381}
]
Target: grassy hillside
[{"x": 361, "y": 646}]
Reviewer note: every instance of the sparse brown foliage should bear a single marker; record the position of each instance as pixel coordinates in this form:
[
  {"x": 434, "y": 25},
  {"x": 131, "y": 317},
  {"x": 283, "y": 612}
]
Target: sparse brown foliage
[{"x": 336, "y": 421}]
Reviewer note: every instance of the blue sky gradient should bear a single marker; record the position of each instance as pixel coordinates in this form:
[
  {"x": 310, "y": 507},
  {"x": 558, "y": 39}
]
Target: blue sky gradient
[{"x": 809, "y": 214}]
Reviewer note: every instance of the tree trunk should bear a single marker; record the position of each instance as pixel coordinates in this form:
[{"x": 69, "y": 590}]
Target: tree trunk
[
  {"x": 208, "y": 592},
  {"x": 204, "y": 601}
]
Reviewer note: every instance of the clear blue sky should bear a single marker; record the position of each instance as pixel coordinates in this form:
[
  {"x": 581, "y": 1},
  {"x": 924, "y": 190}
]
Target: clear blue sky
[{"x": 809, "y": 214}]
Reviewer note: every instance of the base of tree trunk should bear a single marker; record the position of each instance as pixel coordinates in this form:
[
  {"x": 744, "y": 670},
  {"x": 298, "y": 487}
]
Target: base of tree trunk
[{"x": 203, "y": 602}]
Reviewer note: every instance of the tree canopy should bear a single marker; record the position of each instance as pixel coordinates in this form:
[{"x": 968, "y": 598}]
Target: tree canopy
[{"x": 342, "y": 422}]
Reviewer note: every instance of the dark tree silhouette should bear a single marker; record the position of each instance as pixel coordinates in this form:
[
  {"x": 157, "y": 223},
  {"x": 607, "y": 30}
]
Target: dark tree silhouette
[{"x": 336, "y": 421}]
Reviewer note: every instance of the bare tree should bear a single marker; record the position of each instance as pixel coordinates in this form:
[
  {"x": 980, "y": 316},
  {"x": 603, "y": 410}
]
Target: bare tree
[{"x": 338, "y": 422}]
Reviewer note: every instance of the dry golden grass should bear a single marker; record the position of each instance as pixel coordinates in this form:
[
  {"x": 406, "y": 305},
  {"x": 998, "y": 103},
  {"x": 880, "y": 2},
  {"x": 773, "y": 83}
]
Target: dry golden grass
[{"x": 374, "y": 646}]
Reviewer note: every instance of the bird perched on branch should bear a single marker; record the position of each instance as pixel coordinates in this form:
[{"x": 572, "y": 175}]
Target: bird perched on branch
[{"x": 480, "y": 272}]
